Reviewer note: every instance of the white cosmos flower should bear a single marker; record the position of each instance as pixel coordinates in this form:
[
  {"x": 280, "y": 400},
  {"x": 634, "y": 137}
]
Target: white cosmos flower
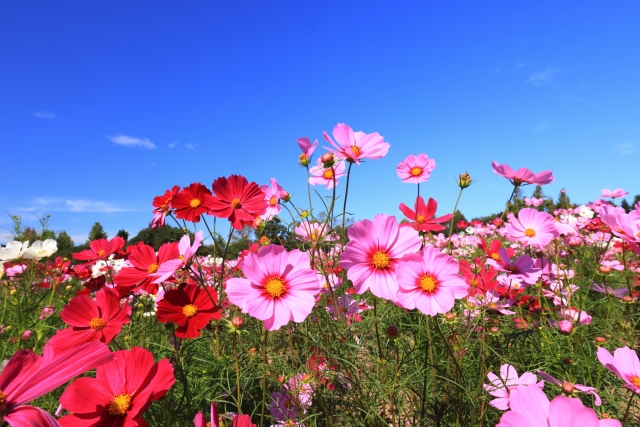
[
  {"x": 13, "y": 250},
  {"x": 585, "y": 212},
  {"x": 40, "y": 249}
]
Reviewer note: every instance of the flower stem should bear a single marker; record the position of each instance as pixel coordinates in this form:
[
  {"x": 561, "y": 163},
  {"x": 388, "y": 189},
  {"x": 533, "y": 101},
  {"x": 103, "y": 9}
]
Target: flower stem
[
  {"x": 235, "y": 353},
  {"x": 626, "y": 413},
  {"x": 346, "y": 193},
  {"x": 453, "y": 215},
  {"x": 506, "y": 208},
  {"x": 264, "y": 376}
]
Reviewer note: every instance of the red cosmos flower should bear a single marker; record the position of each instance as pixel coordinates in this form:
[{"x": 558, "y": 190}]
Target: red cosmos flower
[
  {"x": 100, "y": 249},
  {"x": 237, "y": 200},
  {"x": 478, "y": 276},
  {"x": 191, "y": 202},
  {"x": 120, "y": 393},
  {"x": 493, "y": 250},
  {"x": 424, "y": 221},
  {"x": 163, "y": 203},
  {"x": 191, "y": 308},
  {"x": 145, "y": 264},
  {"x": 99, "y": 320},
  {"x": 27, "y": 376}
]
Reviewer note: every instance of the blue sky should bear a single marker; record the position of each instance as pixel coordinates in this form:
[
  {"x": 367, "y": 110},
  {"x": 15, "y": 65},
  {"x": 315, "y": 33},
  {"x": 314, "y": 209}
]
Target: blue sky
[{"x": 207, "y": 89}]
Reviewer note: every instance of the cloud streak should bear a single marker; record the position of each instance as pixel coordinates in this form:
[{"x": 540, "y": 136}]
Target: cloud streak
[
  {"x": 543, "y": 77},
  {"x": 626, "y": 148},
  {"x": 130, "y": 141},
  {"x": 44, "y": 114},
  {"x": 92, "y": 206}
]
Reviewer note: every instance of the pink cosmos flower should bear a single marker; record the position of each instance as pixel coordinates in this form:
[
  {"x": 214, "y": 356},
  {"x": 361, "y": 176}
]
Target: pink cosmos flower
[
  {"x": 532, "y": 228},
  {"x": 534, "y": 201},
  {"x": 279, "y": 286},
  {"x": 272, "y": 194},
  {"x": 187, "y": 251},
  {"x": 575, "y": 316},
  {"x": 625, "y": 364},
  {"x": 371, "y": 257},
  {"x": 313, "y": 231},
  {"x": 326, "y": 176},
  {"x": 520, "y": 270},
  {"x": 530, "y": 407},
  {"x": 617, "y": 193},
  {"x": 307, "y": 150},
  {"x": 416, "y": 169},
  {"x": 356, "y": 146},
  {"x": 570, "y": 386},
  {"x": 429, "y": 281},
  {"x": 501, "y": 386},
  {"x": 28, "y": 376},
  {"x": 523, "y": 175}
]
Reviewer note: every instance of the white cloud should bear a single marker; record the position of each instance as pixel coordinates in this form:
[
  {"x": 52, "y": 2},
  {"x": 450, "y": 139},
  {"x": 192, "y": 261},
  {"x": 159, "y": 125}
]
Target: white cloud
[
  {"x": 173, "y": 144},
  {"x": 92, "y": 206},
  {"x": 543, "y": 77},
  {"x": 44, "y": 114},
  {"x": 79, "y": 239},
  {"x": 191, "y": 146},
  {"x": 129, "y": 141},
  {"x": 45, "y": 201},
  {"x": 542, "y": 125},
  {"x": 626, "y": 148}
]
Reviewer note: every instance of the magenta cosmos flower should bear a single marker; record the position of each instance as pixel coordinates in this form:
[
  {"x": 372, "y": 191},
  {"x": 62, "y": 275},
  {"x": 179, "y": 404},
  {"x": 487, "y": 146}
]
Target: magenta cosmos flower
[
  {"x": 617, "y": 193},
  {"x": 356, "y": 146},
  {"x": 307, "y": 150},
  {"x": 429, "y": 281},
  {"x": 321, "y": 175},
  {"x": 522, "y": 175},
  {"x": 530, "y": 407},
  {"x": 371, "y": 257},
  {"x": 272, "y": 194},
  {"x": 500, "y": 386},
  {"x": 532, "y": 228},
  {"x": 416, "y": 169},
  {"x": 625, "y": 364},
  {"x": 280, "y": 286}
]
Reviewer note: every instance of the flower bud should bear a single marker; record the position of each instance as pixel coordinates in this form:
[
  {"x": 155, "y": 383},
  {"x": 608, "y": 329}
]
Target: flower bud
[
  {"x": 285, "y": 196},
  {"x": 565, "y": 327},
  {"x": 304, "y": 160},
  {"x": 237, "y": 322},
  {"x": 264, "y": 241},
  {"x": 567, "y": 387},
  {"x": 449, "y": 316},
  {"x": 464, "y": 181},
  {"x": 568, "y": 360},
  {"x": 601, "y": 340},
  {"x": 393, "y": 331},
  {"x": 304, "y": 214},
  {"x": 628, "y": 299},
  {"x": 494, "y": 330},
  {"x": 497, "y": 222},
  {"x": 604, "y": 269},
  {"x": 327, "y": 160},
  {"x": 26, "y": 334},
  {"x": 253, "y": 352}
]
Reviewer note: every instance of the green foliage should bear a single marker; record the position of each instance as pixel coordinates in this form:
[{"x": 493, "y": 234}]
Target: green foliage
[
  {"x": 158, "y": 236},
  {"x": 124, "y": 234},
  {"x": 96, "y": 232}
]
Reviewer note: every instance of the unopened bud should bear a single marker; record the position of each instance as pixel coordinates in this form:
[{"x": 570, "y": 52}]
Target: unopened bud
[
  {"x": 237, "y": 322},
  {"x": 627, "y": 299},
  {"x": 393, "y": 331},
  {"x": 264, "y": 241},
  {"x": 449, "y": 316},
  {"x": 253, "y": 352},
  {"x": 303, "y": 160},
  {"x": 601, "y": 340},
  {"x": 568, "y": 360},
  {"x": 604, "y": 269},
  {"x": 605, "y": 415},
  {"x": 494, "y": 330},
  {"x": 327, "y": 160},
  {"x": 285, "y": 196},
  {"x": 565, "y": 327},
  {"x": 465, "y": 180},
  {"x": 304, "y": 214},
  {"x": 567, "y": 387}
]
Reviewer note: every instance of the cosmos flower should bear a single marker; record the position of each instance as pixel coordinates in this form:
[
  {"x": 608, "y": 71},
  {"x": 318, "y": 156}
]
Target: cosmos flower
[
  {"x": 13, "y": 250},
  {"x": 272, "y": 194},
  {"x": 532, "y": 228},
  {"x": 422, "y": 218},
  {"x": 522, "y": 176},
  {"x": 191, "y": 308},
  {"x": 371, "y": 257},
  {"x": 615, "y": 194},
  {"x": 191, "y": 202},
  {"x": 416, "y": 169},
  {"x": 566, "y": 386},
  {"x": 355, "y": 146},
  {"x": 501, "y": 386},
  {"x": 237, "y": 200},
  {"x": 307, "y": 150},
  {"x": 327, "y": 176},
  {"x": 625, "y": 364},
  {"x": 144, "y": 268},
  {"x": 100, "y": 249}
]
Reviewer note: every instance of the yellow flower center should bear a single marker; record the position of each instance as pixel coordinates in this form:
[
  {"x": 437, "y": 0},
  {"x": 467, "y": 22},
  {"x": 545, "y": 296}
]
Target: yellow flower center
[
  {"x": 101, "y": 252},
  {"x": 314, "y": 236},
  {"x": 273, "y": 201},
  {"x": 416, "y": 171},
  {"x": 328, "y": 174},
  {"x": 153, "y": 268},
  {"x": 529, "y": 232},
  {"x": 380, "y": 260},
  {"x": 275, "y": 287},
  {"x": 635, "y": 381},
  {"x": 495, "y": 256},
  {"x": 474, "y": 282},
  {"x": 355, "y": 149},
  {"x": 189, "y": 310},
  {"x": 195, "y": 203},
  {"x": 420, "y": 219},
  {"x": 119, "y": 405},
  {"x": 428, "y": 283},
  {"x": 97, "y": 323},
  {"x": 236, "y": 204},
  {"x": 3, "y": 397}
]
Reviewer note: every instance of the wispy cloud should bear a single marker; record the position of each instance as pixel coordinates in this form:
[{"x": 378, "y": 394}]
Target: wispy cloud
[
  {"x": 626, "y": 148},
  {"x": 173, "y": 144},
  {"x": 543, "y": 77},
  {"x": 191, "y": 146},
  {"x": 44, "y": 114},
  {"x": 130, "y": 141},
  {"x": 92, "y": 206},
  {"x": 542, "y": 125}
]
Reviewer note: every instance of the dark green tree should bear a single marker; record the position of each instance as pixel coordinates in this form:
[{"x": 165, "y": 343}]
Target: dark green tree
[
  {"x": 457, "y": 217},
  {"x": 158, "y": 236},
  {"x": 625, "y": 205},
  {"x": 97, "y": 232},
  {"x": 563, "y": 201},
  {"x": 65, "y": 245},
  {"x": 124, "y": 234}
]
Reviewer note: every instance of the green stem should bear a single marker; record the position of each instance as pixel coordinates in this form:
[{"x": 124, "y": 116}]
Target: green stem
[
  {"x": 235, "y": 353},
  {"x": 453, "y": 215},
  {"x": 506, "y": 208},
  {"x": 264, "y": 376}
]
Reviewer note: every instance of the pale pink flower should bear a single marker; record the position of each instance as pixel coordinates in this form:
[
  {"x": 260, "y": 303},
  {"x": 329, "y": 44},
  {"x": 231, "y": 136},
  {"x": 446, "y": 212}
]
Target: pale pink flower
[
  {"x": 280, "y": 286},
  {"x": 580, "y": 387},
  {"x": 307, "y": 148},
  {"x": 314, "y": 231},
  {"x": 272, "y": 194},
  {"x": 530, "y": 407},
  {"x": 371, "y": 257},
  {"x": 168, "y": 268},
  {"x": 534, "y": 201},
  {"x": 416, "y": 169},
  {"x": 501, "y": 386},
  {"x": 355, "y": 146},
  {"x": 522, "y": 270},
  {"x": 321, "y": 175},
  {"x": 522, "y": 175},
  {"x": 429, "y": 281},
  {"x": 575, "y": 316},
  {"x": 532, "y": 228},
  {"x": 625, "y": 364},
  {"x": 617, "y": 193}
]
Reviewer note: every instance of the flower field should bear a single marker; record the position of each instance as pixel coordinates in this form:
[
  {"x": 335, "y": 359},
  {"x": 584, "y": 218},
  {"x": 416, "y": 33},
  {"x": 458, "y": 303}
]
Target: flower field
[{"x": 527, "y": 319}]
